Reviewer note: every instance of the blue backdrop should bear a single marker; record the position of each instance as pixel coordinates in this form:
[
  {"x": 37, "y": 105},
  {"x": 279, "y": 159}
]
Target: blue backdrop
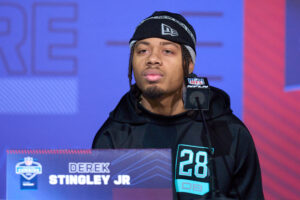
[{"x": 63, "y": 64}]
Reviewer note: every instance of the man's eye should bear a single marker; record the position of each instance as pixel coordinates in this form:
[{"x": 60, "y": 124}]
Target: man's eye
[
  {"x": 168, "y": 51},
  {"x": 141, "y": 51}
]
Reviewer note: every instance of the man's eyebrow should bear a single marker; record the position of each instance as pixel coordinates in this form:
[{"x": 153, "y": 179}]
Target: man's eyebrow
[
  {"x": 142, "y": 42},
  {"x": 169, "y": 43}
]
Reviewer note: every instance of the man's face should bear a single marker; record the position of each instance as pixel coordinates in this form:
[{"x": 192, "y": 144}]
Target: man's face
[{"x": 157, "y": 67}]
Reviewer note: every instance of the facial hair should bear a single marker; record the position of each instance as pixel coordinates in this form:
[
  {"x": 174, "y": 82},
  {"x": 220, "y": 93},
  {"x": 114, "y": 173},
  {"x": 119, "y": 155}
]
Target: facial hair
[{"x": 153, "y": 92}]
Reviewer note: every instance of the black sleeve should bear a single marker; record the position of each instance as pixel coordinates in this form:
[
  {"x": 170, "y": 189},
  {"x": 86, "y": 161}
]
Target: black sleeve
[
  {"x": 247, "y": 175},
  {"x": 102, "y": 140}
]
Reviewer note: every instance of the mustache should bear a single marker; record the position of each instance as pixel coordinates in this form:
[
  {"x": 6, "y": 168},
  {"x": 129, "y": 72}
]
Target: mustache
[{"x": 152, "y": 72}]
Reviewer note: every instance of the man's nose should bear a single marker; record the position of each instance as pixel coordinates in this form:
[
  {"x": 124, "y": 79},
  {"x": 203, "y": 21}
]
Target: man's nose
[{"x": 154, "y": 57}]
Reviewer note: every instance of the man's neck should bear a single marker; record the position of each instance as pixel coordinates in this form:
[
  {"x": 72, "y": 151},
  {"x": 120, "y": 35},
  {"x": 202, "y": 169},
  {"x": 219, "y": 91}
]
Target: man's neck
[{"x": 168, "y": 105}]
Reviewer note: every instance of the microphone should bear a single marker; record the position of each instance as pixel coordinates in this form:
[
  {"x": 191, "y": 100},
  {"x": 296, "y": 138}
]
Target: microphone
[
  {"x": 196, "y": 97},
  {"x": 196, "y": 88}
]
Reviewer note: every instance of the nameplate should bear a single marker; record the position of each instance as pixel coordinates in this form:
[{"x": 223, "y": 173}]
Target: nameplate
[{"x": 89, "y": 174}]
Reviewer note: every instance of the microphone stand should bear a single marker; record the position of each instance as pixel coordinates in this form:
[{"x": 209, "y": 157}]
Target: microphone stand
[
  {"x": 211, "y": 152},
  {"x": 215, "y": 193}
]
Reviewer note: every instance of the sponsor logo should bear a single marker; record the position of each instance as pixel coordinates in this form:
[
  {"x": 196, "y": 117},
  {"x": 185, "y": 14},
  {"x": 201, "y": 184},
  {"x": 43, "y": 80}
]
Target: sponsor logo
[
  {"x": 28, "y": 170},
  {"x": 196, "y": 81},
  {"x": 167, "y": 30}
]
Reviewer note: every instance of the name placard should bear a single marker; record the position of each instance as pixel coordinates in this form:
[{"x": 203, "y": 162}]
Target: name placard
[{"x": 89, "y": 174}]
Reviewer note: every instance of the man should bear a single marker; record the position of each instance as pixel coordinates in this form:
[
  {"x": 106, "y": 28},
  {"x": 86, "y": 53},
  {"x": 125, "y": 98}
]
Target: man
[{"x": 152, "y": 115}]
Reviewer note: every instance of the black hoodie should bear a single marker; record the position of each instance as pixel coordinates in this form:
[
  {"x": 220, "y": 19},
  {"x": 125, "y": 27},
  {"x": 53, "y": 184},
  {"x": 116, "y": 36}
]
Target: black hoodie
[{"x": 235, "y": 164}]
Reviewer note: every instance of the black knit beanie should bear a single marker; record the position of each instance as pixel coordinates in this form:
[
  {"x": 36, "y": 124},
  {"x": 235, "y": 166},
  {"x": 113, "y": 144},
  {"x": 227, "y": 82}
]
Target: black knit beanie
[{"x": 169, "y": 26}]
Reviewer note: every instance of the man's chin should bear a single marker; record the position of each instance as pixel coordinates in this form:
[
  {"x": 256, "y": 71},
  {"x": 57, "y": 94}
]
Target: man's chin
[{"x": 153, "y": 92}]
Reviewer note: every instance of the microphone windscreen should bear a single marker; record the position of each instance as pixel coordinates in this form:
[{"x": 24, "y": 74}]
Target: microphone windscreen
[{"x": 196, "y": 87}]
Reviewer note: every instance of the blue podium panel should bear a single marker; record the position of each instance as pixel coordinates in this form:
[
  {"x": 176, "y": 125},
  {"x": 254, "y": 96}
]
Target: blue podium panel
[{"x": 89, "y": 174}]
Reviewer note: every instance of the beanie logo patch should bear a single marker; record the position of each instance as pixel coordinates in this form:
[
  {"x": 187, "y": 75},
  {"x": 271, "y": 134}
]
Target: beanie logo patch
[{"x": 167, "y": 30}]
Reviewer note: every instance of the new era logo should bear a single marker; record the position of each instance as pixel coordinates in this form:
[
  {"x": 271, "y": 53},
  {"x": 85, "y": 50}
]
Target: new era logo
[{"x": 167, "y": 30}]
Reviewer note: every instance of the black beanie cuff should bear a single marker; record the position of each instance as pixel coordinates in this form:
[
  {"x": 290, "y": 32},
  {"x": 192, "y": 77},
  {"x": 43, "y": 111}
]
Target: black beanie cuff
[{"x": 166, "y": 17}]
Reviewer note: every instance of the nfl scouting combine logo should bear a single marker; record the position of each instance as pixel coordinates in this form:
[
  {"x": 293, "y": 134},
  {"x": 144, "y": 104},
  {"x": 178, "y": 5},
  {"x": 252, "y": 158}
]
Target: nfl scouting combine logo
[{"x": 28, "y": 169}]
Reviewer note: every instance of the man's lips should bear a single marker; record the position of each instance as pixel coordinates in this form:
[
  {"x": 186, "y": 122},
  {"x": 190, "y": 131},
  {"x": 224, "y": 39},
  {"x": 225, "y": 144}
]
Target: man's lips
[{"x": 152, "y": 75}]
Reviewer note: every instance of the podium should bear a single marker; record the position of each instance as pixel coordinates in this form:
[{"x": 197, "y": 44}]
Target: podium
[{"x": 89, "y": 174}]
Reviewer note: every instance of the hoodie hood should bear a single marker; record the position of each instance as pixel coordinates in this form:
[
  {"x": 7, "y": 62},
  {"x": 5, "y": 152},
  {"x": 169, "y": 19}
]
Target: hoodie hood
[{"x": 129, "y": 110}]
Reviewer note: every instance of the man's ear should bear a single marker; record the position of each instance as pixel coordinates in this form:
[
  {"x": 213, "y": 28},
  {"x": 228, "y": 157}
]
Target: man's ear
[{"x": 191, "y": 67}]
